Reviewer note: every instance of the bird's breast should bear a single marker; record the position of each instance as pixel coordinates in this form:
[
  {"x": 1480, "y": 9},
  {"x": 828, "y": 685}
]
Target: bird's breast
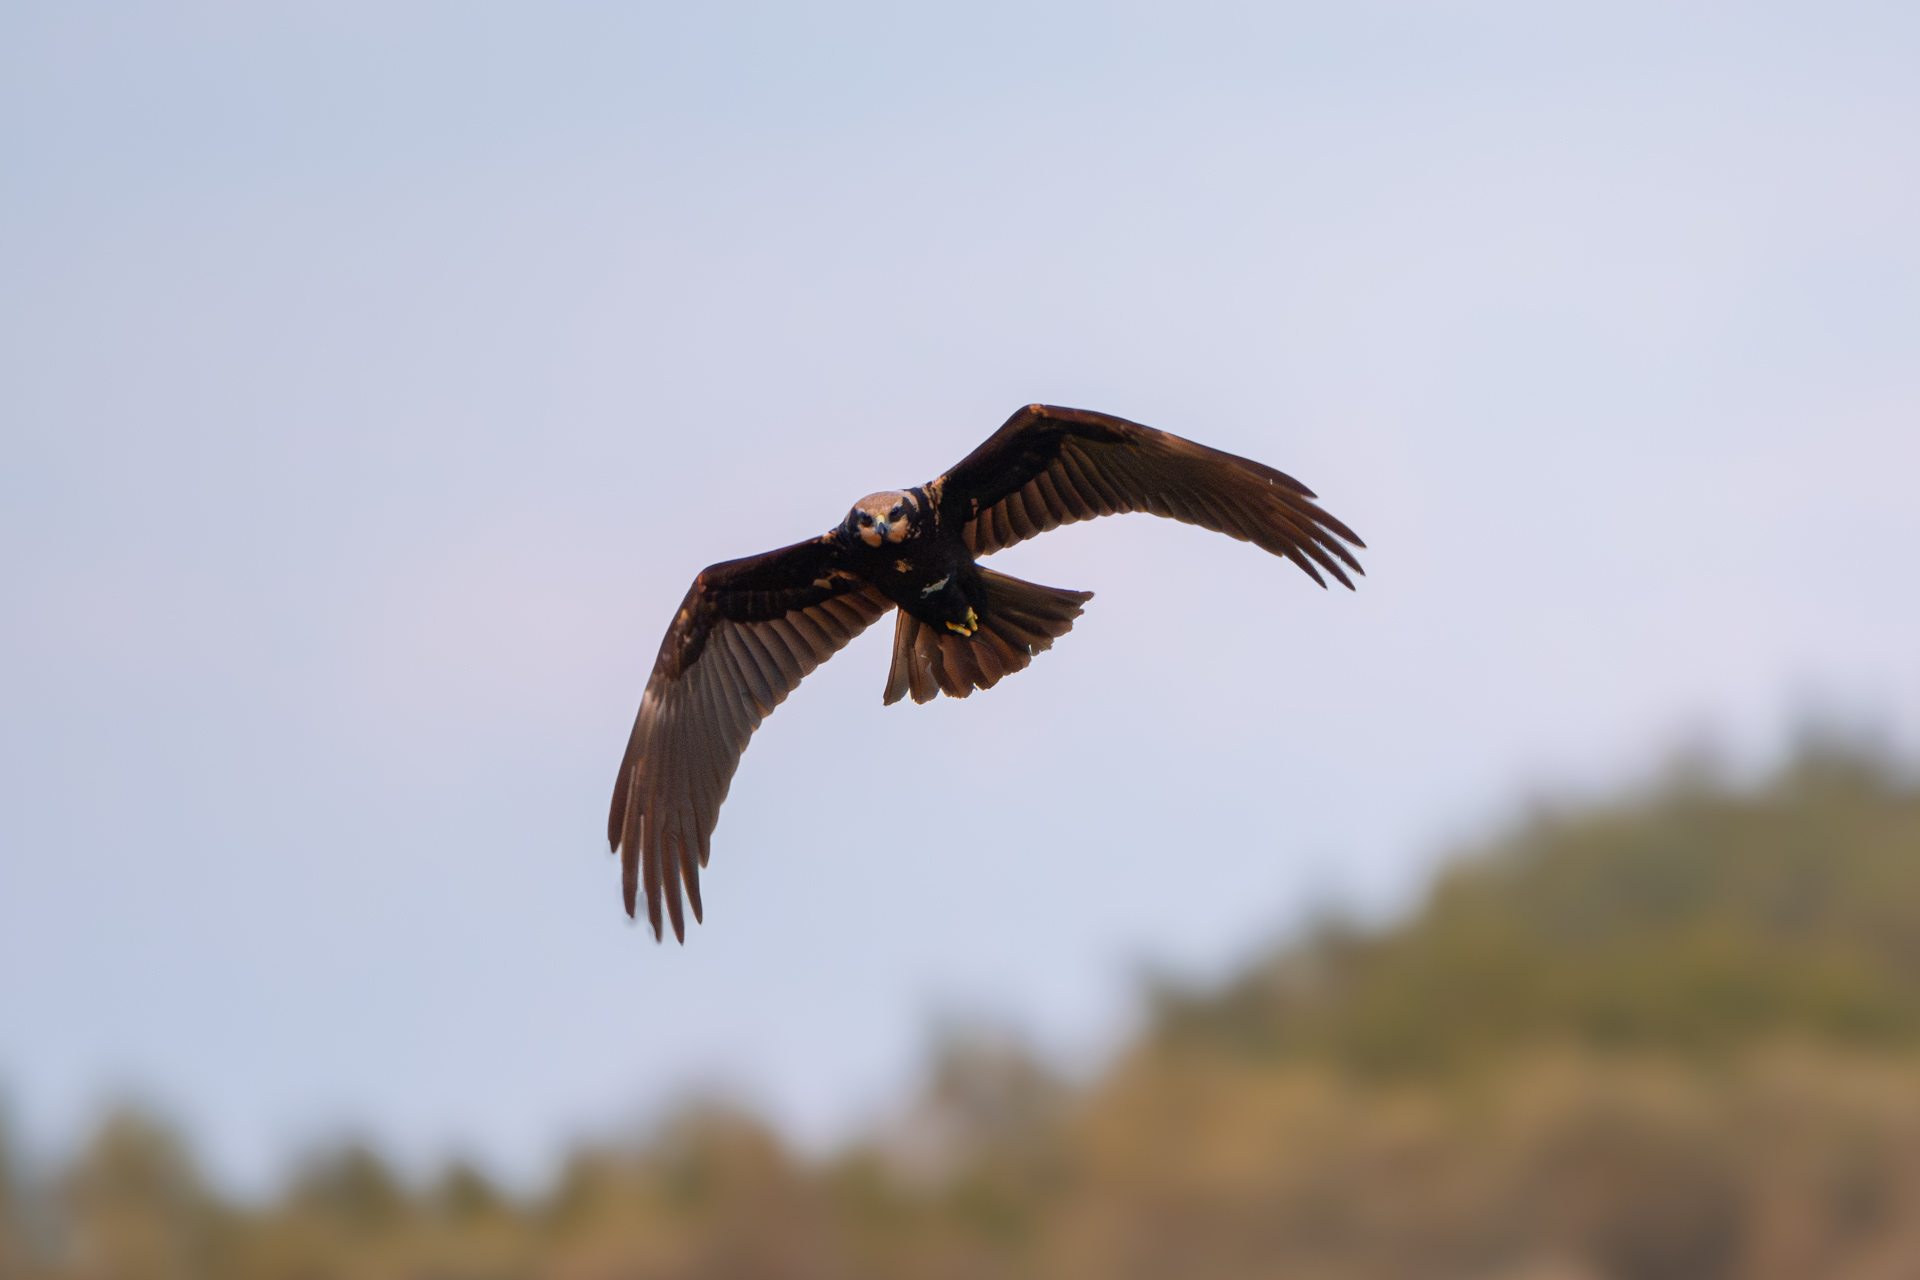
[{"x": 927, "y": 577}]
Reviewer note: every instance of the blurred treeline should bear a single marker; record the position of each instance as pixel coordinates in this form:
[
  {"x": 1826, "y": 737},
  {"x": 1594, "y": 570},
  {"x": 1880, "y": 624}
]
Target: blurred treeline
[{"x": 1675, "y": 1036}]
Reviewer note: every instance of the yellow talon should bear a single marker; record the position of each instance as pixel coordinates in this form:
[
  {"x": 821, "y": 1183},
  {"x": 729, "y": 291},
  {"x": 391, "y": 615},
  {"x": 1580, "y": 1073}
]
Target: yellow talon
[{"x": 967, "y": 628}]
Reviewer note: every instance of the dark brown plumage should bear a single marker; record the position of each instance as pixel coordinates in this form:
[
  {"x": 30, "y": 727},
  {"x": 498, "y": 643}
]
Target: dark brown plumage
[{"x": 749, "y": 630}]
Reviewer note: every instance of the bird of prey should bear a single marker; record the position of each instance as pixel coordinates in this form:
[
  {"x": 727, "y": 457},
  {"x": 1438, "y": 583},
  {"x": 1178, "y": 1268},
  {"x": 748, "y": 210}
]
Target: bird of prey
[{"x": 750, "y": 629}]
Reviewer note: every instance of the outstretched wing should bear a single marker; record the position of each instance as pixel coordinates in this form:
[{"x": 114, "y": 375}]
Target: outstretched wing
[
  {"x": 746, "y": 634},
  {"x": 1050, "y": 466}
]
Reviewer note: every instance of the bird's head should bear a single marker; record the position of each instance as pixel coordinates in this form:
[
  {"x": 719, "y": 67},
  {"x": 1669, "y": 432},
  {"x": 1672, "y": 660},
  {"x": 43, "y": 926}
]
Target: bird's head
[{"x": 880, "y": 518}]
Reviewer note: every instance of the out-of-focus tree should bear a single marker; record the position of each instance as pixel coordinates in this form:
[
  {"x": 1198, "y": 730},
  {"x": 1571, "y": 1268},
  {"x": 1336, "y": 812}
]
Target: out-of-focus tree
[
  {"x": 1790, "y": 1164},
  {"x": 466, "y": 1195},
  {"x": 351, "y": 1188},
  {"x": 12, "y": 1245},
  {"x": 713, "y": 1194},
  {"x": 1669, "y": 1037},
  {"x": 986, "y": 1099},
  {"x": 1698, "y": 920},
  {"x": 135, "y": 1206},
  {"x": 965, "y": 1181}
]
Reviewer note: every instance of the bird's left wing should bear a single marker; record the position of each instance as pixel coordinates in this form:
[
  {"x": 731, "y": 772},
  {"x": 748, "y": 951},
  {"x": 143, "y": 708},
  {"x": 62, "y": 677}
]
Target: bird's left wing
[
  {"x": 745, "y": 635},
  {"x": 1048, "y": 466}
]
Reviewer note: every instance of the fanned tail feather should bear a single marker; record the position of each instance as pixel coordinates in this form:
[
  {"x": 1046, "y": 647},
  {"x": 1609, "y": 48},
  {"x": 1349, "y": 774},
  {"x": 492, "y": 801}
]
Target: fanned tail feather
[{"x": 1020, "y": 620}]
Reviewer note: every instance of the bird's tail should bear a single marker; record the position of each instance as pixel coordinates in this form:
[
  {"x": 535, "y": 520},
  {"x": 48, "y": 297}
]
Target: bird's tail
[{"x": 1021, "y": 619}]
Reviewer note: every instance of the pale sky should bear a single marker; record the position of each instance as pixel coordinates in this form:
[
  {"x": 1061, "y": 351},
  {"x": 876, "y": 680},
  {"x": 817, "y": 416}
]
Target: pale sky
[{"x": 374, "y": 378}]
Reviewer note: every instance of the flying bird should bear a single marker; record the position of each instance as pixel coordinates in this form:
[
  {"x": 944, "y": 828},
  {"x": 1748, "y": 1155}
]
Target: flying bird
[{"x": 750, "y": 629}]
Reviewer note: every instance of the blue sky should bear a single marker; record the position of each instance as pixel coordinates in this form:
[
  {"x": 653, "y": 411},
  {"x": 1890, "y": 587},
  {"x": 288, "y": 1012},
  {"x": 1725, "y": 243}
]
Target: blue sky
[{"x": 374, "y": 378}]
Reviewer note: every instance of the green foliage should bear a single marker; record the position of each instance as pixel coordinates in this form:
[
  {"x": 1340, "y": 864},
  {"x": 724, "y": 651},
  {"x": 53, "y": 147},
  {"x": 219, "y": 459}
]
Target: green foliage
[
  {"x": 1666, "y": 1038},
  {"x": 1696, "y": 919}
]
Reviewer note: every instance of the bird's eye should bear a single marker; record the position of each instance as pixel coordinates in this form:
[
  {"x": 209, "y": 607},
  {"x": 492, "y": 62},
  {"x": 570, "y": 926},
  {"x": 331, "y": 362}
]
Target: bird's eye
[
  {"x": 866, "y": 517},
  {"x": 895, "y": 513}
]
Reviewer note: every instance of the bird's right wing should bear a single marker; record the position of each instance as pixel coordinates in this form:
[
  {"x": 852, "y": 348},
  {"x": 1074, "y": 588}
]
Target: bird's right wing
[{"x": 745, "y": 635}]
